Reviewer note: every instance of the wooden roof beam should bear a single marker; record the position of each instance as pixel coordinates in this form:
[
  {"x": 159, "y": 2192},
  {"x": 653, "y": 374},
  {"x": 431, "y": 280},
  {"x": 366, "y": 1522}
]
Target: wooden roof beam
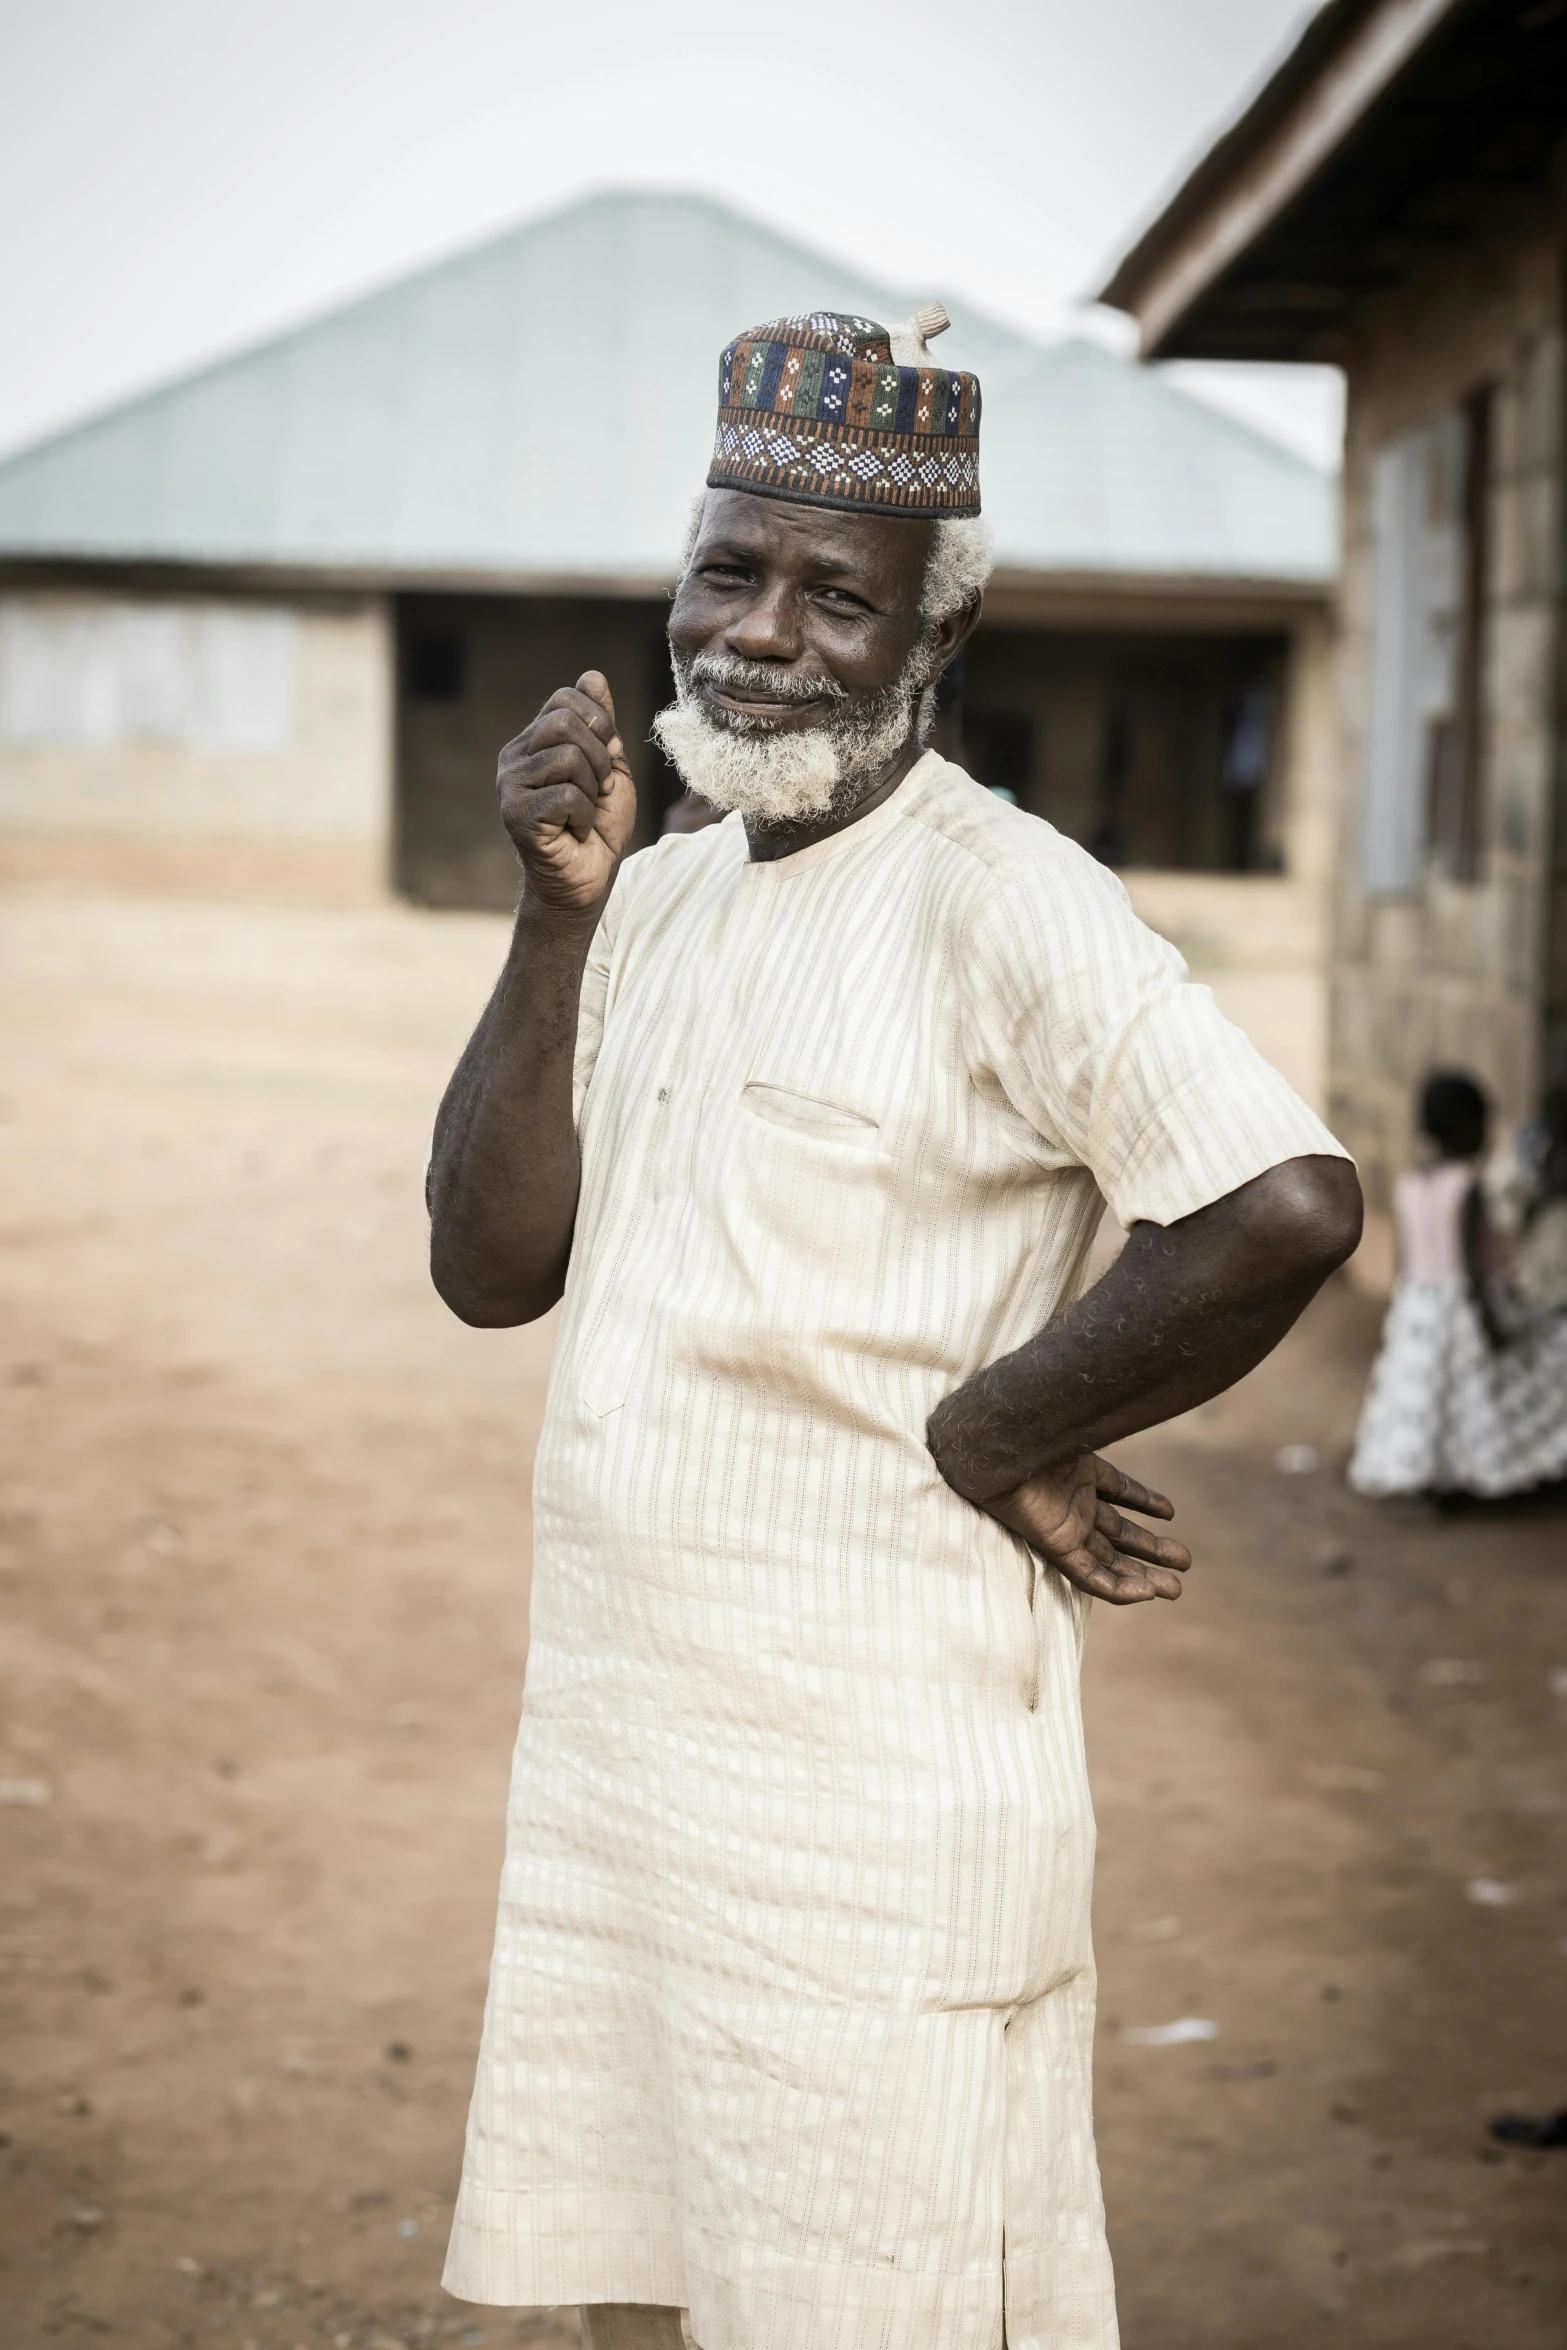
[{"x": 1264, "y": 163}]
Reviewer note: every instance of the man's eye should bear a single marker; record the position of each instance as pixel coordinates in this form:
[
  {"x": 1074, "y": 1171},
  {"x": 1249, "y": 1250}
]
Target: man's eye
[
  {"x": 725, "y": 574},
  {"x": 841, "y": 600}
]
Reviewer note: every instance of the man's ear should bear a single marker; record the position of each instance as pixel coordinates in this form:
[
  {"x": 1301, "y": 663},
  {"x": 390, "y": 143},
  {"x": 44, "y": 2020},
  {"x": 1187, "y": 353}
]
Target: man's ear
[
  {"x": 953, "y": 633},
  {"x": 955, "y": 630}
]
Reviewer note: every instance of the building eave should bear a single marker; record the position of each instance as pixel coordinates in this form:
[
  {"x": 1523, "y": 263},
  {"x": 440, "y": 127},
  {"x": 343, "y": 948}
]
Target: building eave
[
  {"x": 1018, "y": 595},
  {"x": 1176, "y": 603},
  {"x": 1346, "y": 60},
  {"x": 171, "y": 575}
]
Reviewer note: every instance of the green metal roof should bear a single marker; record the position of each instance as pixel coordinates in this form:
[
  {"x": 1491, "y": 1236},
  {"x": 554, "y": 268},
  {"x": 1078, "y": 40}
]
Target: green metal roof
[{"x": 542, "y": 408}]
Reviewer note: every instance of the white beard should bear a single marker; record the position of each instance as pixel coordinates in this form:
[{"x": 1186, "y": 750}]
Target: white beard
[{"x": 785, "y": 778}]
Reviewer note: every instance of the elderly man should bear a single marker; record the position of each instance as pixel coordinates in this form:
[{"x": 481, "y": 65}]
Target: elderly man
[{"x": 809, "y": 1118}]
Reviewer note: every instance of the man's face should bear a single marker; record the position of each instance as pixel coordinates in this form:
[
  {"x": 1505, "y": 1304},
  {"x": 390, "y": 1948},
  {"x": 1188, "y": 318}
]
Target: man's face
[
  {"x": 811, "y": 593},
  {"x": 800, "y": 655}
]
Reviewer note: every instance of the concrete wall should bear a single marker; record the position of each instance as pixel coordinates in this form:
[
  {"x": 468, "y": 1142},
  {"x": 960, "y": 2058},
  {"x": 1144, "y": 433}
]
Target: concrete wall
[
  {"x": 290, "y": 792},
  {"x": 196, "y": 742},
  {"x": 1308, "y": 782},
  {"x": 1454, "y": 971}
]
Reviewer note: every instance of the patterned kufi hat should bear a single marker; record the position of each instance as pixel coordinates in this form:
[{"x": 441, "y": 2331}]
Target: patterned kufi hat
[{"x": 831, "y": 410}]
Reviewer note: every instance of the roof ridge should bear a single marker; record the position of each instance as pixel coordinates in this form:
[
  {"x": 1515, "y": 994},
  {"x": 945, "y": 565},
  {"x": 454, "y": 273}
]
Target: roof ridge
[
  {"x": 607, "y": 197},
  {"x": 418, "y": 434}
]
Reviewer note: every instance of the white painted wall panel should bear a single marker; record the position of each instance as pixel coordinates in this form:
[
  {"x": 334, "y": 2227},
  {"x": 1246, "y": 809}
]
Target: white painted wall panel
[
  {"x": 1417, "y": 554},
  {"x": 196, "y": 720},
  {"x": 206, "y": 676}
]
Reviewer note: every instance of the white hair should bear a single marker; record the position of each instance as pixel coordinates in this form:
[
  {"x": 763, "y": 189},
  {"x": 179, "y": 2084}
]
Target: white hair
[
  {"x": 745, "y": 762},
  {"x": 962, "y": 557},
  {"x": 693, "y": 533}
]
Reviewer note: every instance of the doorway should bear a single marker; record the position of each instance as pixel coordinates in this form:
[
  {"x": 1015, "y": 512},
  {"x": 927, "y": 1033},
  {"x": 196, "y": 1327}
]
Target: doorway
[{"x": 472, "y": 671}]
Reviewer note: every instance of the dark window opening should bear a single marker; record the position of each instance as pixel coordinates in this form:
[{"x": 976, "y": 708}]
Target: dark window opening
[
  {"x": 435, "y": 667},
  {"x": 472, "y": 672},
  {"x": 1156, "y": 750},
  {"x": 1001, "y": 750},
  {"x": 1247, "y": 756},
  {"x": 1108, "y": 838}
]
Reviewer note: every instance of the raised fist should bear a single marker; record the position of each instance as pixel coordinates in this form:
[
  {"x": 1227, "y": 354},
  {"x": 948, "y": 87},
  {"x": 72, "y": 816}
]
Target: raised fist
[{"x": 567, "y": 798}]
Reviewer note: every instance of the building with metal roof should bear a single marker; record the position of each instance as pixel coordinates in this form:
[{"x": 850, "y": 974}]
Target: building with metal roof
[
  {"x": 537, "y": 414},
  {"x": 291, "y": 605},
  {"x": 1395, "y": 200}
]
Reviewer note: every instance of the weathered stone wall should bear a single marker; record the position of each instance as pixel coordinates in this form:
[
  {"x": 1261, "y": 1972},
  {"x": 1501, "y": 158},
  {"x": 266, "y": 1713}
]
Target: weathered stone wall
[
  {"x": 1309, "y": 762},
  {"x": 158, "y": 791},
  {"x": 1453, "y": 973}
]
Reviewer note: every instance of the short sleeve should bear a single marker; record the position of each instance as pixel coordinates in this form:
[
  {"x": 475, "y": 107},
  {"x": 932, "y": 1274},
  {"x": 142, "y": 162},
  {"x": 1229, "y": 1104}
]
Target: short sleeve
[{"x": 1102, "y": 1043}]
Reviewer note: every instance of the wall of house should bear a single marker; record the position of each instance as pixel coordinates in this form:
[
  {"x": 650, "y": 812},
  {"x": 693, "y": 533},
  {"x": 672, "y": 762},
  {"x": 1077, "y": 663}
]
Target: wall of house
[
  {"x": 1260, "y": 940},
  {"x": 471, "y": 672},
  {"x": 201, "y": 741},
  {"x": 1447, "y": 970},
  {"x": 1153, "y": 748},
  {"x": 1040, "y": 707},
  {"x": 220, "y": 743}
]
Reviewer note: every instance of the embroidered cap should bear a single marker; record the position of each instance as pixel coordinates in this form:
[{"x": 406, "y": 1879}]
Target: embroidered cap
[{"x": 832, "y": 410}]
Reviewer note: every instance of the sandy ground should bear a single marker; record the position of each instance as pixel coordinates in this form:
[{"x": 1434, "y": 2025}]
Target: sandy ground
[{"x": 263, "y": 1574}]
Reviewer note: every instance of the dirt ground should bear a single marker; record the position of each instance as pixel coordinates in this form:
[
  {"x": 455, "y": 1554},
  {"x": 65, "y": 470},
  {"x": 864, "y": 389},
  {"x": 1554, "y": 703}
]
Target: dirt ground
[{"x": 263, "y": 1575}]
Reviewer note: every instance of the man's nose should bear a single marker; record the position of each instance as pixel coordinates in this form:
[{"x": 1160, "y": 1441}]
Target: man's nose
[{"x": 769, "y": 627}]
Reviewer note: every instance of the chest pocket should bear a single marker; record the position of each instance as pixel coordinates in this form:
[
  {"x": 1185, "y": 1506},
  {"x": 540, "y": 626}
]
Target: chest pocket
[
  {"x": 804, "y": 1203},
  {"x": 803, "y": 1113}
]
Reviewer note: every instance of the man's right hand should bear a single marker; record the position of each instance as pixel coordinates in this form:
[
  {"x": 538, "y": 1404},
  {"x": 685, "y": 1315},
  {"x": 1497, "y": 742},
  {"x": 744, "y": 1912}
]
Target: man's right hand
[
  {"x": 567, "y": 798},
  {"x": 1067, "y": 1516}
]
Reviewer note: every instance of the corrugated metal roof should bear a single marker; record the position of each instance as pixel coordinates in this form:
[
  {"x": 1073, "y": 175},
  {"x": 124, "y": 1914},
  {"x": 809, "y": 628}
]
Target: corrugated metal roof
[
  {"x": 542, "y": 407},
  {"x": 1089, "y": 463}
]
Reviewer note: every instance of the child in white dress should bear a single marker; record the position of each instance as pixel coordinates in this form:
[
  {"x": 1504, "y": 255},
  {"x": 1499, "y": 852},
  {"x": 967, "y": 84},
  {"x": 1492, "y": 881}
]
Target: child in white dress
[
  {"x": 1526, "y": 1200},
  {"x": 1455, "y": 1404}
]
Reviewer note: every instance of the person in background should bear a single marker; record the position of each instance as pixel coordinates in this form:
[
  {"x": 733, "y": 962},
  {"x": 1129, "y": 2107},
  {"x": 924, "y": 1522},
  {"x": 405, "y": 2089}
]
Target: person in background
[
  {"x": 1526, "y": 1201},
  {"x": 1462, "y": 1400}
]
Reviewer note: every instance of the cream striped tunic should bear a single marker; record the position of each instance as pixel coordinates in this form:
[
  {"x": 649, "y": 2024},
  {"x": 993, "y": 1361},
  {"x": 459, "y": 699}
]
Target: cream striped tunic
[{"x": 792, "y": 2004}]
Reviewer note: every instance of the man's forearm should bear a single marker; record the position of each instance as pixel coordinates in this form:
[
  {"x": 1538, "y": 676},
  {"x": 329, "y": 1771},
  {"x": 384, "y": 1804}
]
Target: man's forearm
[
  {"x": 1185, "y": 1311},
  {"x": 504, "y": 1171}
]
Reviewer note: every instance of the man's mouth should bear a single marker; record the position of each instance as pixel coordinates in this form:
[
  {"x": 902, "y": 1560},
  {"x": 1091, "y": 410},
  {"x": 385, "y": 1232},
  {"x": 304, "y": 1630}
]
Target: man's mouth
[{"x": 745, "y": 702}]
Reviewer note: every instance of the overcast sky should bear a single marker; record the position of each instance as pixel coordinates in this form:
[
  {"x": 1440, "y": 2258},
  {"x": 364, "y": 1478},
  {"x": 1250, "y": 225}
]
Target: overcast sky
[{"x": 180, "y": 177}]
